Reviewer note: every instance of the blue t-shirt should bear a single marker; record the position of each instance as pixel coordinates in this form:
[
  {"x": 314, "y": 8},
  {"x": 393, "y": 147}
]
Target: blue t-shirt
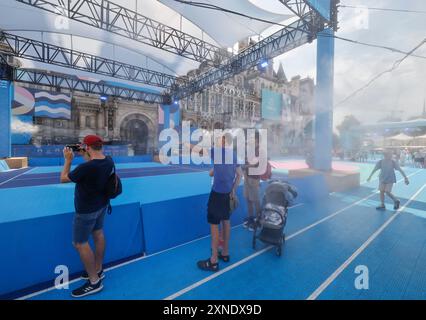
[
  {"x": 91, "y": 178},
  {"x": 224, "y": 172},
  {"x": 387, "y": 170}
]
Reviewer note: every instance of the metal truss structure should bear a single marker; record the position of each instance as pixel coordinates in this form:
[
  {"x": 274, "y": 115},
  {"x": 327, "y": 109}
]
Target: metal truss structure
[
  {"x": 304, "y": 30},
  {"x": 73, "y": 83},
  {"x": 47, "y": 53},
  {"x": 305, "y": 9},
  {"x": 117, "y": 19},
  {"x": 105, "y": 15},
  {"x": 286, "y": 39}
]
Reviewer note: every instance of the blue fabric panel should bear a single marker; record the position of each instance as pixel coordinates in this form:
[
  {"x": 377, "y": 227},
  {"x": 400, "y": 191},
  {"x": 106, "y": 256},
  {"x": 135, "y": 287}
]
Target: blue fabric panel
[
  {"x": 41, "y": 244},
  {"x": 6, "y": 92},
  {"x": 173, "y": 222}
]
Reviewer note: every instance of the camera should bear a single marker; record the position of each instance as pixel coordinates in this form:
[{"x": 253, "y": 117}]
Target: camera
[{"x": 75, "y": 147}]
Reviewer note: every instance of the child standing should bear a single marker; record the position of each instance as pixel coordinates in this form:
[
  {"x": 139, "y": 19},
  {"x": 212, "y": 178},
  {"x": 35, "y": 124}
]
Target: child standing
[{"x": 387, "y": 178}]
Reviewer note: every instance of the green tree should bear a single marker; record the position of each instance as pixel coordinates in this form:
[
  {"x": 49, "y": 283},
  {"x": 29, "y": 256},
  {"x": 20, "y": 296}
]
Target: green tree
[
  {"x": 336, "y": 141},
  {"x": 350, "y": 135},
  {"x": 350, "y": 122}
]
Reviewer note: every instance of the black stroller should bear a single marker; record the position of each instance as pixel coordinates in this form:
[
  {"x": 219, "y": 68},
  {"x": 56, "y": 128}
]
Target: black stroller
[{"x": 269, "y": 227}]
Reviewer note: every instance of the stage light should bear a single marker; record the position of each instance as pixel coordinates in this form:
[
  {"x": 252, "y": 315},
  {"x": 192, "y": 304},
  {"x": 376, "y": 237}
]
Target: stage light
[
  {"x": 262, "y": 65},
  {"x": 103, "y": 98}
]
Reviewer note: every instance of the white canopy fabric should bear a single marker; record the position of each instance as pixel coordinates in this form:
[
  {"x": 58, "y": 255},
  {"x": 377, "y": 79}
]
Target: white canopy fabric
[
  {"x": 420, "y": 137},
  {"x": 401, "y": 137},
  {"x": 212, "y": 26},
  {"x": 24, "y": 20},
  {"x": 227, "y": 28}
]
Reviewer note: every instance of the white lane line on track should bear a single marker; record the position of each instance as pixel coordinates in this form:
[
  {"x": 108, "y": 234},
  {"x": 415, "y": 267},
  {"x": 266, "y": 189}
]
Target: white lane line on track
[
  {"x": 13, "y": 178},
  {"x": 364, "y": 246}
]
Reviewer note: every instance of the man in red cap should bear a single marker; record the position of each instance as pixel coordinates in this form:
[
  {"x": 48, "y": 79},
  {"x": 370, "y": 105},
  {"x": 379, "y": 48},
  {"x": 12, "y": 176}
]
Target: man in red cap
[{"x": 91, "y": 203}]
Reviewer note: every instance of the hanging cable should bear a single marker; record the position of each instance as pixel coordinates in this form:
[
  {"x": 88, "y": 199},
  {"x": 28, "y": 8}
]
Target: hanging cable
[
  {"x": 383, "y": 9},
  {"x": 394, "y": 67}
]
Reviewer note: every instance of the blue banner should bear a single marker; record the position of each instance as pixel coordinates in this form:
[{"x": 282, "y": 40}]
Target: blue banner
[
  {"x": 6, "y": 92},
  {"x": 271, "y": 105},
  {"x": 41, "y": 103}
]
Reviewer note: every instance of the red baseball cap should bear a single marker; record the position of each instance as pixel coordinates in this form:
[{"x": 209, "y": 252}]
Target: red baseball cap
[{"x": 93, "y": 140}]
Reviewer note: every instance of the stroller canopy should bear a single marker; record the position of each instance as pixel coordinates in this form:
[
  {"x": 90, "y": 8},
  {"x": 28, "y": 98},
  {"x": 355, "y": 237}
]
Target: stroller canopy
[{"x": 279, "y": 193}]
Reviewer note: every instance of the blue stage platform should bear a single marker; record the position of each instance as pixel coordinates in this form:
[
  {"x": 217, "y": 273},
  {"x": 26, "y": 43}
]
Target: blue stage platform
[{"x": 59, "y": 161}]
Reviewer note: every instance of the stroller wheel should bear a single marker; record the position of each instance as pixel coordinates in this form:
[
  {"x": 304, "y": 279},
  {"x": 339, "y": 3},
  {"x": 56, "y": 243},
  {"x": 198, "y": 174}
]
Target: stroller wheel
[{"x": 278, "y": 250}]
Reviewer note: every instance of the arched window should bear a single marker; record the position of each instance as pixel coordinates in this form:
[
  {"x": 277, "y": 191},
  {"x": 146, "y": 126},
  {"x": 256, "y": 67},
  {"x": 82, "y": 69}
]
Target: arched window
[
  {"x": 205, "y": 101},
  {"x": 88, "y": 122}
]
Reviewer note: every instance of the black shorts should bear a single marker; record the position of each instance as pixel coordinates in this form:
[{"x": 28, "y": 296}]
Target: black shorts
[{"x": 218, "y": 207}]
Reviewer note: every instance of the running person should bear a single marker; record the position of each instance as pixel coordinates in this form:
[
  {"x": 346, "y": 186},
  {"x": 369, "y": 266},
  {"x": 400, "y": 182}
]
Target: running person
[{"x": 387, "y": 178}]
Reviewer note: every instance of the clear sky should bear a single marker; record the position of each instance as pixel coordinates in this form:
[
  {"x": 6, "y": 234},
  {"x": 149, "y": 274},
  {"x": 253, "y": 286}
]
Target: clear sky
[{"x": 402, "y": 91}]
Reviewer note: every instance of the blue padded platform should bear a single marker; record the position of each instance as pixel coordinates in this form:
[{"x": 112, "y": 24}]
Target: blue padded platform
[
  {"x": 38, "y": 220},
  {"x": 47, "y": 200},
  {"x": 310, "y": 188},
  {"x": 52, "y": 178},
  {"x": 173, "y": 222},
  {"x": 43, "y": 162},
  {"x": 59, "y": 161},
  {"x": 42, "y": 243},
  {"x": 129, "y": 165},
  {"x": 169, "y": 223}
]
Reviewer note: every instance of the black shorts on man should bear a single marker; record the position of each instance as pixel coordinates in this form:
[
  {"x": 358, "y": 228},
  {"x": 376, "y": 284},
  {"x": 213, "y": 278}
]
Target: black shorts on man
[{"x": 218, "y": 207}]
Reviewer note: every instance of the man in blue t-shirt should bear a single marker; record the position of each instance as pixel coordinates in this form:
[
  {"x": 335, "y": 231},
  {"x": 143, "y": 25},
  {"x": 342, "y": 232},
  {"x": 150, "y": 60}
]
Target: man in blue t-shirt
[
  {"x": 227, "y": 174},
  {"x": 91, "y": 203}
]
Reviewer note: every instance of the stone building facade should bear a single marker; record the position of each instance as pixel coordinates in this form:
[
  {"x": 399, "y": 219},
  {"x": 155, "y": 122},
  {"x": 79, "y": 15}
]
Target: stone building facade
[
  {"x": 235, "y": 103},
  {"x": 118, "y": 121}
]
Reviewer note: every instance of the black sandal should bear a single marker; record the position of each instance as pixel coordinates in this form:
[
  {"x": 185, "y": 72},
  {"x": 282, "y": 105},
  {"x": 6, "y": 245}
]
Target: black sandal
[
  {"x": 223, "y": 258},
  {"x": 396, "y": 205},
  {"x": 207, "y": 265}
]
